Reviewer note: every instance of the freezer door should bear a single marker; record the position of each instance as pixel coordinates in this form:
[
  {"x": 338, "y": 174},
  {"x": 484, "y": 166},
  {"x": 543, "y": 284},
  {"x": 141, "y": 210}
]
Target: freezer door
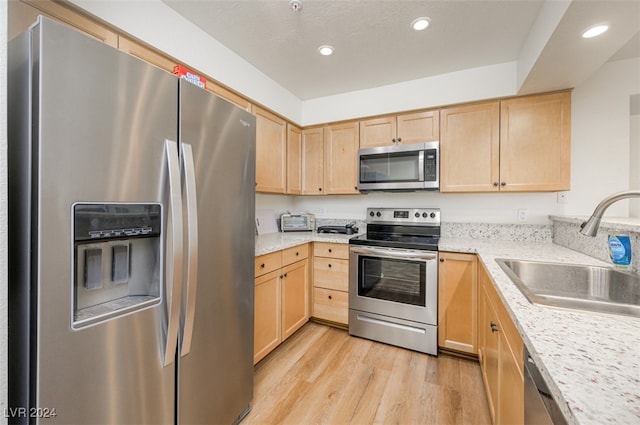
[
  {"x": 216, "y": 369},
  {"x": 101, "y": 118}
]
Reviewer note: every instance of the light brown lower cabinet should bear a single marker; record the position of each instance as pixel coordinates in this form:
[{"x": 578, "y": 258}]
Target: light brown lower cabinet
[
  {"x": 458, "y": 302},
  {"x": 500, "y": 350},
  {"x": 281, "y": 304},
  {"x": 331, "y": 282}
]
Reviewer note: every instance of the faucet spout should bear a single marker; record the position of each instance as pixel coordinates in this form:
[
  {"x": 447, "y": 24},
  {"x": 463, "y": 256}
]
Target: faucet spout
[{"x": 590, "y": 227}]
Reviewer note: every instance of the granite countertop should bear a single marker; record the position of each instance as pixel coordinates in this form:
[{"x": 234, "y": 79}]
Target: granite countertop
[
  {"x": 591, "y": 361},
  {"x": 272, "y": 242}
]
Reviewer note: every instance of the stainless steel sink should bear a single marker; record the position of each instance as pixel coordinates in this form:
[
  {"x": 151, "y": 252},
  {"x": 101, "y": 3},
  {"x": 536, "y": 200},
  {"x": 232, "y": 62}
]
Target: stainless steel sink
[{"x": 592, "y": 288}]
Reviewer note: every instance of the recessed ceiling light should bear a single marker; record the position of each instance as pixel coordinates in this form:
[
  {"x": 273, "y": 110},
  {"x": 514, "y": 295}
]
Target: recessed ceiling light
[
  {"x": 325, "y": 50},
  {"x": 420, "y": 24},
  {"x": 595, "y": 31}
]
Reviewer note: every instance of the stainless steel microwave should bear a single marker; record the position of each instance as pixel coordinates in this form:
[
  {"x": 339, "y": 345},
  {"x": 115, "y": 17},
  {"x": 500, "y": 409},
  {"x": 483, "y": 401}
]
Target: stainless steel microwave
[{"x": 400, "y": 168}]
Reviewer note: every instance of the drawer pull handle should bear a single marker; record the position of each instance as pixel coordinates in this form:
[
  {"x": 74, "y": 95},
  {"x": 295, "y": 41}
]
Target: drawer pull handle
[
  {"x": 494, "y": 327},
  {"x": 262, "y": 266}
]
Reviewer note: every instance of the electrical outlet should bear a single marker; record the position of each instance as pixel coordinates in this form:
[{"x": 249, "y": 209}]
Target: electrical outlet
[
  {"x": 523, "y": 214},
  {"x": 563, "y": 197}
]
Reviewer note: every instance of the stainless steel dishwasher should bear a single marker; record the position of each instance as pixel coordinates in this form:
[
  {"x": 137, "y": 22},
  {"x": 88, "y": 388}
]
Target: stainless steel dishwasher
[{"x": 540, "y": 408}]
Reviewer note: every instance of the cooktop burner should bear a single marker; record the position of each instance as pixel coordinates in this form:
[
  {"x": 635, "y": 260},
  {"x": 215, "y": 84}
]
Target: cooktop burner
[{"x": 412, "y": 228}]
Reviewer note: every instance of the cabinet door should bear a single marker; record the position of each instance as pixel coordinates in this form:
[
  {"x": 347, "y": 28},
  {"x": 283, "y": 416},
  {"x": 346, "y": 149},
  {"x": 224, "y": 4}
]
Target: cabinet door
[
  {"x": 490, "y": 354},
  {"x": 535, "y": 143},
  {"x": 294, "y": 160},
  {"x": 271, "y": 147},
  {"x": 419, "y": 127},
  {"x": 378, "y": 132},
  {"x": 313, "y": 161},
  {"x": 511, "y": 404},
  {"x": 457, "y": 302},
  {"x": 295, "y": 296},
  {"x": 470, "y": 148},
  {"x": 341, "y": 157},
  {"x": 266, "y": 334}
]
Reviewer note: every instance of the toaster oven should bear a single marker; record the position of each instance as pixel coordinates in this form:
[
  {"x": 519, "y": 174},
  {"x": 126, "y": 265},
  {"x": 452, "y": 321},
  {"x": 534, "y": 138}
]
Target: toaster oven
[{"x": 303, "y": 222}]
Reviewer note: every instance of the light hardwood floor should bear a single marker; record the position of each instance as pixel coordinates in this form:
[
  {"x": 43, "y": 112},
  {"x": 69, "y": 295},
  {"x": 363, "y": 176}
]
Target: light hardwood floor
[{"x": 321, "y": 375}]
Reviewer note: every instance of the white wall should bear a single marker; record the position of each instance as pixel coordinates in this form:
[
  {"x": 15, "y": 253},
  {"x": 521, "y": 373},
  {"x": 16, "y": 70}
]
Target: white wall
[
  {"x": 3, "y": 211},
  {"x": 446, "y": 89},
  {"x": 600, "y": 146}
]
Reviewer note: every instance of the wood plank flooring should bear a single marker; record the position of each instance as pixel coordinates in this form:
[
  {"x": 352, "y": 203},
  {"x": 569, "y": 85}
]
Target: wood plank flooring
[{"x": 322, "y": 375}]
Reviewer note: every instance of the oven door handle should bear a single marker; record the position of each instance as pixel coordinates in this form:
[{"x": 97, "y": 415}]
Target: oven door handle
[{"x": 388, "y": 253}]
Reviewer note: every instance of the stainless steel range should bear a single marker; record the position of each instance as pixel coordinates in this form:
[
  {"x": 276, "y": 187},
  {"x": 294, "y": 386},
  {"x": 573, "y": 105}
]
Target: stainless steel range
[{"x": 393, "y": 278}]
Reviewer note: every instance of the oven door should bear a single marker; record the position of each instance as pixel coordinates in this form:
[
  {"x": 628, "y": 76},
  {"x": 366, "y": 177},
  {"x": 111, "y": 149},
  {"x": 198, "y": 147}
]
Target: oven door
[{"x": 394, "y": 282}]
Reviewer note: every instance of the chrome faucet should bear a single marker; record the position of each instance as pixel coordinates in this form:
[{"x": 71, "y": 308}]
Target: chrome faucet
[{"x": 590, "y": 227}]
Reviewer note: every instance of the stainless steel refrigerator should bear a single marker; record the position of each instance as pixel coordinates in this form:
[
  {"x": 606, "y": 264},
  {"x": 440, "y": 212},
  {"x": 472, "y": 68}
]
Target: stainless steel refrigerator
[{"x": 131, "y": 197}]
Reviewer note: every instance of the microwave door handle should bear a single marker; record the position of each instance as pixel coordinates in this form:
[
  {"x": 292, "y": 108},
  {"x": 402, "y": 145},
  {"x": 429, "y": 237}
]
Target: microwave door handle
[{"x": 421, "y": 166}]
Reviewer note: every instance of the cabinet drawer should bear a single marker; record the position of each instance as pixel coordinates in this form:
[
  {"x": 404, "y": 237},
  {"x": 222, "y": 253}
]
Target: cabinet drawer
[
  {"x": 331, "y": 305},
  {"x": 293, "y": 254},
  {"x": 331, "y": 250},
  {"x": 268, "y": 263},
  {"x": 331, "y": 273}
]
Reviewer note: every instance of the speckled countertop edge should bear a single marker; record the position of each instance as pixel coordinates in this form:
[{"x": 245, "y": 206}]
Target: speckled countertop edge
[
  {"x": 591, "y": 361},
  {"x": 272, "y": 242}
]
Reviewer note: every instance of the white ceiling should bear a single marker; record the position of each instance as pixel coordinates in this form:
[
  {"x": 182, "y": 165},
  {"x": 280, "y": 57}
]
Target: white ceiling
[{"x": 375, "y": 45}]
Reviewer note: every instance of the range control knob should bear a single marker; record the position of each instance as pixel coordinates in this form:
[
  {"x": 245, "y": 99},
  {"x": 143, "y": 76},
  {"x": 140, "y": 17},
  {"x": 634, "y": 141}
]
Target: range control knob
[
  {"x": 425, "y": 215},
  {"x": 371, "y": 214},
  {"x": 417, "y": 215},
  {"x": 433, "y": 215},
  {"x": 378, "y": 214}
]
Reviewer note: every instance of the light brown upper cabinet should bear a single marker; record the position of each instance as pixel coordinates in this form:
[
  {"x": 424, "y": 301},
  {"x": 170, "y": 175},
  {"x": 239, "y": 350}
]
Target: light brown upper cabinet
[
  {"x": 401, "y": 129},
  {"x": 341, "y": 157},
  {"x": 294, "y": 160},
  {"x": 515, "y": 145},
  {"x": 470, "y": 148},
  {"x": 271, "y": 152},
  {"x": 535, "y": 143},
  {"x": 313, "y": 161}
]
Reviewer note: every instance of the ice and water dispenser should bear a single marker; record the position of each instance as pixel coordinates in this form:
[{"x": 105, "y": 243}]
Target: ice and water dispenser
[{"x": 118, "y": 260}]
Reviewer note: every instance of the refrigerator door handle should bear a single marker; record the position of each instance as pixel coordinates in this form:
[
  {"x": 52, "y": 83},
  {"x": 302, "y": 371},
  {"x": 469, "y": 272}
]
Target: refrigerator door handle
[
  {"x": 192, "y": 253},
  {"x": 173, "y": 284}
]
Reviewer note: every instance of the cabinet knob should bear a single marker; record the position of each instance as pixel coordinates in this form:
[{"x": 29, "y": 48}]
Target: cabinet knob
[
  {"x": 495, "y": 184},
  {"x": 330, "y": 250},
  {"x": 262, "y": 266},
  {"x": 320, "y": 189},
  {"x": 442, "y": 260},
  {"x": 394, "y": 140},
  {"x": 329, "y": 265},
  {"x": 399, "y": 139},
  {"x": 494, "y": 327},
  {"x": 297, "y": 253},
  {"x": 503, "y": 184},
  {"x": 330, "y": 297},
  {"x": 285, "y": 275}
]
